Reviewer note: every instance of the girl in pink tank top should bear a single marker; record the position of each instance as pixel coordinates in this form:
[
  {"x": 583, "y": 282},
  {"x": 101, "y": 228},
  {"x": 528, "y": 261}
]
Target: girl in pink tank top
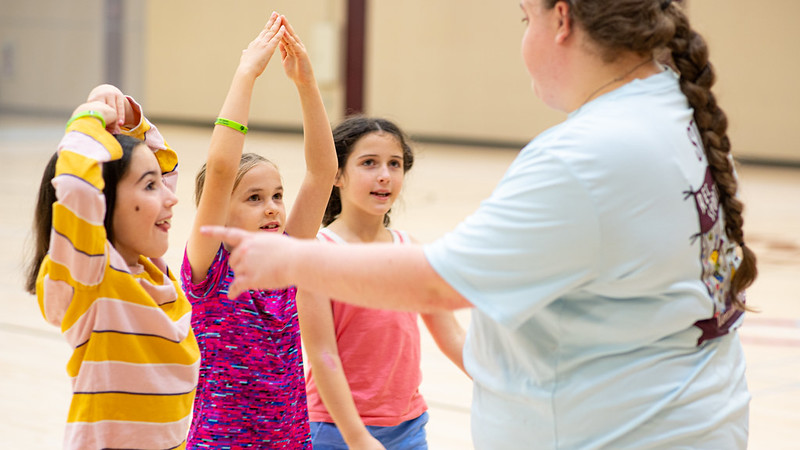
[{"x": 364, "y": 377}]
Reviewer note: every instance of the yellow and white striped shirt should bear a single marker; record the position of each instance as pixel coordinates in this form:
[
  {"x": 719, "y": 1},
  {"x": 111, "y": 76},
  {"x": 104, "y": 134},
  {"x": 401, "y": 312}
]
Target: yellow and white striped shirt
[{"x": 135, "y": 361}]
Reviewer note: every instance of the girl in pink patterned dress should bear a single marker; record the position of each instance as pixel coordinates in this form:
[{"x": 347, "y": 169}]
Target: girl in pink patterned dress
[{"x": 251, "y": 391}]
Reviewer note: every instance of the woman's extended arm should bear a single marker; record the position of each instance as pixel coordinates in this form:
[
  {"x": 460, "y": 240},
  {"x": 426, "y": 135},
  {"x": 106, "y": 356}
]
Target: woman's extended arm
[{"x": 372, "y": 275}]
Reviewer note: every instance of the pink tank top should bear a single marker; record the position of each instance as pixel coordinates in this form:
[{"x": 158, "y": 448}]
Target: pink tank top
[{"x": 380, "y": 354}]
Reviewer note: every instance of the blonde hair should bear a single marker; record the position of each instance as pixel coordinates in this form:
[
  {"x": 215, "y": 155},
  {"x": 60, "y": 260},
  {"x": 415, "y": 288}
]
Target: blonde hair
[{"x": 247, "y": 162}]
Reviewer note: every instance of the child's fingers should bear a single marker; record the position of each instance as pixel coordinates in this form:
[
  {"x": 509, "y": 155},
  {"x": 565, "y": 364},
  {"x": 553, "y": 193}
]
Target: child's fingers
[
  {"x": 290, "y": 40},
  {"x": 108, "y": 112},
  {"x": 274, "y": 35},
  {"x": 291, "y": 46},
  {"x": 120, "y": 107},
  {"x": 268, "y": 27},
  {"x": 288, "y": 26},
  {"x": 294, "y": 46},
  {"x": 268, "y": 38},
  {"x": 111, "y": 96},
  {"x": 279, "y": 35},
  {"x": 274, "y": 17},
  {"x": 276, "y": 25}
]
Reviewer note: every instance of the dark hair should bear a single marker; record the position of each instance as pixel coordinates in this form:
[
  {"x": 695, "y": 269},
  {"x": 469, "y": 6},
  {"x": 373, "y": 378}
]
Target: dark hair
[
  {"x": 345, "y": 136},
  {"x": 649, "y": 27},
  {"x": 113, "y": 171},
  {"x": 246, "y": 162}
]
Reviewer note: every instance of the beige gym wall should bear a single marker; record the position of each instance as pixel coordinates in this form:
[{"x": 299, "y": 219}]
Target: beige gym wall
[
  {"x": 193, "y": 48},
  {"x": 52, "y": 53},
  {"x": 754, "y": 47},
  {"x": 448, "y": 69},
  {"x": 452, "y": 68}
]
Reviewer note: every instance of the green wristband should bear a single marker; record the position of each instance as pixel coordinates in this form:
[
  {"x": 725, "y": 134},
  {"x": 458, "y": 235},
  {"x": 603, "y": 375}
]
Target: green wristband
[
  {"x": 89, "y": 113},
  {"x": 231, "y": 123}
]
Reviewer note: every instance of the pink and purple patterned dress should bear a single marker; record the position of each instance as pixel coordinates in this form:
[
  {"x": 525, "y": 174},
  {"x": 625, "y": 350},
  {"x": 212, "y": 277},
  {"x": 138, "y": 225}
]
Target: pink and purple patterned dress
[{"x": 251, "y": 392}]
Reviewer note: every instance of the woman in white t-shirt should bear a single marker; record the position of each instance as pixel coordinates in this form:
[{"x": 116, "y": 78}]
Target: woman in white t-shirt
[{"x": 607, "y": 270}]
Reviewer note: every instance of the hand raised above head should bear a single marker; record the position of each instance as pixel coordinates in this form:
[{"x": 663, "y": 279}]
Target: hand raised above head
[
  {"x": 294, "y": 56},
  {"x": 258, "y": 53}
]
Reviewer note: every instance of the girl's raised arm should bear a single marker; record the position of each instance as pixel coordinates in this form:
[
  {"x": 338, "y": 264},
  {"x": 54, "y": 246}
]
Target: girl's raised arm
[
  {"x": 320, "y": 153},
  {"x": 77, "y": 252},
  {"x": 225, "y": 149}
]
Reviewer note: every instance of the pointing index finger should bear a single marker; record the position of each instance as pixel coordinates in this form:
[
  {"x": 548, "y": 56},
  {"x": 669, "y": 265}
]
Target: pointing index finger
[{"x": 230, "y": 236}]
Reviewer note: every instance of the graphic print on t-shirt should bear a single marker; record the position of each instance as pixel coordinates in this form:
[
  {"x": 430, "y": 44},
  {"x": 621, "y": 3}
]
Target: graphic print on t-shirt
[{"x": 717, "y": 256}]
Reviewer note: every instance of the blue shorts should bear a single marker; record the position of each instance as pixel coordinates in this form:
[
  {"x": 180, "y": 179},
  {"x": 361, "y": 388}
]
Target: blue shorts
[{"x": 408, "y": 435}]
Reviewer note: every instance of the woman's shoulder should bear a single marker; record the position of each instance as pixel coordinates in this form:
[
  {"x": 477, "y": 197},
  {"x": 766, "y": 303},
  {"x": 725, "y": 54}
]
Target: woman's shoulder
[{"x": 620, "y": 134}]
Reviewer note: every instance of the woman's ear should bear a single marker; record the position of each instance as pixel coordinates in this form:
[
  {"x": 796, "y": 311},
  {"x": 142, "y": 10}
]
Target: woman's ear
[{"x": 564, "y": 29}]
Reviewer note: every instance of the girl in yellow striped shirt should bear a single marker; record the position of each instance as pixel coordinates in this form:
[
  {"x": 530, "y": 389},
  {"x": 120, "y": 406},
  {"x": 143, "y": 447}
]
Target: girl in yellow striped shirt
[{"x": 101, "y": 227}]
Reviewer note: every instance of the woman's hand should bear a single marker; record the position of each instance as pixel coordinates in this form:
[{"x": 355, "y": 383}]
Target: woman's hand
[
  {"x": 253, "y": 270},
  {"x": 294, "y": 57}
]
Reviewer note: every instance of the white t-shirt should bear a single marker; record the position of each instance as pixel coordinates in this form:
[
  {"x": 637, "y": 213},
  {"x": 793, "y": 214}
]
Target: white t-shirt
[{"x": 588, "y": 267}]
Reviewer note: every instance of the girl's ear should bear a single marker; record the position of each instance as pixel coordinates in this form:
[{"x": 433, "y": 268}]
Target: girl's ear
[{"x": 339, "y": 176}]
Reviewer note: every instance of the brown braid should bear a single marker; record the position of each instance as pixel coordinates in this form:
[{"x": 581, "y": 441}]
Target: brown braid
[
  {"x": 647, "y": 27},
  {"x": 690, "y": 56}
]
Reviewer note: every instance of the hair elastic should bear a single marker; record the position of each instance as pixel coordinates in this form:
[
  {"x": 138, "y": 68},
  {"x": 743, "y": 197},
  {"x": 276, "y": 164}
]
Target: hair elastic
[
  {"x": 232, "y": 124},
  {"x": 89, "y": 113}
]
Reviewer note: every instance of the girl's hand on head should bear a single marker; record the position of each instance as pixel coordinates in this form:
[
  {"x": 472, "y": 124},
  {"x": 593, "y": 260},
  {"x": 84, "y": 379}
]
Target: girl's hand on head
[
  {"x": 257, "y": 55},
  {"x": 109, "y": 113},
  {"x": 294, "y": 57},
  {"x": 113, "y": 97}
]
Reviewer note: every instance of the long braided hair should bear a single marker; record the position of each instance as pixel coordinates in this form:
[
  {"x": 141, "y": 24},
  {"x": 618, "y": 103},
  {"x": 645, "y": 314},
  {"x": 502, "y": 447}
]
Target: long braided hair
[{"x": 660, "y": 28}]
